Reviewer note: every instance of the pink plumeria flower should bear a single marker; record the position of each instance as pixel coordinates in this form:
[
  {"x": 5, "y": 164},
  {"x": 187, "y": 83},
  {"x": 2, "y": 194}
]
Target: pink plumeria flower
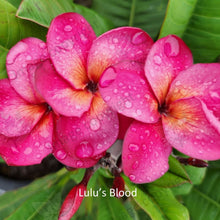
[
  {"x": 175, "y": 104},
  {"x": 26, "y": 121},
  {"x": 87, "y": 127}
]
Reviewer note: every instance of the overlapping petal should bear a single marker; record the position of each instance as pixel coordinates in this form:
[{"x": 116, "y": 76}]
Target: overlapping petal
[
  {"x": 30, "y": 148},
  {"x": 69, "y": 39},
  {"x": 167, "y": 57},
  {"x": 125, "y": 43},
  {"x": 17, "y": 116},
  {"x": 202, "y": 81},
  {"x": 26, "y": 52},
  {"x": 128, "y": 92},
  {"x": 80, "y": 141},
  {"x": 188, "y": 129},
  {"x": 59, "y": 94},
  {"x": 145, "y": 152}
]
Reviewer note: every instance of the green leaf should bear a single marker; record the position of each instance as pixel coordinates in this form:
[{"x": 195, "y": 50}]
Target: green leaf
[
  {"x": 176, "y": 175},
  {"x": 26, "y": 202},
  {"x": 197, "y": 23},
  {"x": 14, "y": 29},
  {"x": 3, "y": 54},
  {"x": 196, "y": 176},
  {"x": 145, "y": 14},
  {"x": 158, "y": 203},
  {"x": 42, "y": 12},
  {"x": 204, "y": 200},
  {"x": 16, "y": 3}
]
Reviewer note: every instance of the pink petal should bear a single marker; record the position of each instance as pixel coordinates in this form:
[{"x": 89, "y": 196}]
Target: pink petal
[
  {"x": 69, "y": 39},
  {"x": 202, "y": 81},
  {"x": 166, "y": 59},
  {"x": 145, "y": 152},
  {"x": 189, "y": 131},
  {"x": 31, "y": 148},
  {"x": 26, "y": 52},
  {"x": 17, "y": 116},
  {"x": 125, "y": 43},
  {"x": 80, "y": 141},
  {"x": 59, "y": 94},
  {"x": 124, "y": 123},
  {"x": 128, "y": 93}
]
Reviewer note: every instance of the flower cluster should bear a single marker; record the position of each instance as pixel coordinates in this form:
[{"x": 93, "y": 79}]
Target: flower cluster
[{"x": 74, "y": 95}]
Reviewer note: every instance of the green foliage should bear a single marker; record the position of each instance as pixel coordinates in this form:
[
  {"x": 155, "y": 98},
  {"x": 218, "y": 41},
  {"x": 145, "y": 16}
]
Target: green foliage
[
  {"x": 145, "y": 14},
  {"x": 197, "y": 23}
]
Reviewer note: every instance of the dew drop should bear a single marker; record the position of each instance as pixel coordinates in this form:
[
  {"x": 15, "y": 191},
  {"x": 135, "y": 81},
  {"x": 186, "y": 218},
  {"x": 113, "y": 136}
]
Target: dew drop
[
  {"x": 84, "y": 150},
  {"x": 42, "y": 45},
  {"x": 144, "y": 147},
  {"x": 115, "y": 40},
  {"x": 68, "y": 28},
  {"x": 132, "y": 177},
  {"x": 157, "y": 59},
  {"x": 27, "y": 151},
  {"x": 107, "y": 98},
  {"x": 135, "y": 165},
  {"x": 79, "y": 163},
  {"x": 171, "y": 47},
  {"x": 84, "y": 39},
  {"x": 61, "y": 155},
  {"x": 12, "y": 75},
  {"x": 138, "y": 112},
  {"x": 133, "y": 147},
  {"x": 14, "y": 150},
  {"x": 115, "y": 91},
  {"x": 48, "y": 145},
  {"x": 37, "y": 144},
  {"x": 138, "y": 38},
  {"x": 129, "y": 156},
  {"x": 38, "y": 156},
  {"x": 28, "y": 57},
  {"x": 94, "y": 124},
  {"x": 128, "y": 104}
]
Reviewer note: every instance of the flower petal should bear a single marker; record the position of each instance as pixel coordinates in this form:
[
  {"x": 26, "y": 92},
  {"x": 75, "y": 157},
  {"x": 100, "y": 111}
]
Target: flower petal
[
  {"x": 127, "y": 92},
  {"x": 125, "y": 43},
  {"x": 26, "y": 52},
  {"x": 69, "y": 39},
  {"x": 202, "y": 81},
  {"x": 167, "y": 57},
  {"x": 189, "y": 131},
  {"x": 31, "y": 148},
  {"x": 59, "y": 94},
  {"x": 17, "y": 116},
  {"x": 80, "y": 141},
  {"x": 145, "y": 152}
]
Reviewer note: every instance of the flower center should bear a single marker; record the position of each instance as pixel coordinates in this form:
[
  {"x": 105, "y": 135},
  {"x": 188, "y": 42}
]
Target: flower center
[
  {"x": 92, "y": 86},
  {"x": 163, "y": 109}
]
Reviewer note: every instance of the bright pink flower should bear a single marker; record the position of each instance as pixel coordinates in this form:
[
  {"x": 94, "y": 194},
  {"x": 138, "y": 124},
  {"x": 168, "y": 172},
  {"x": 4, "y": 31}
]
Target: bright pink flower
[
  {"x": 87, "y": 127},
  {"x": 176, "y": 104},
  {"x": 26, "y": 122}
]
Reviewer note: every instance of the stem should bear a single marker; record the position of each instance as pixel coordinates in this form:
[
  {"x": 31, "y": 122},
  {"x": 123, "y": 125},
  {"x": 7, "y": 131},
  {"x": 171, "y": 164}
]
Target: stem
[{"x": 132, "y": 13}]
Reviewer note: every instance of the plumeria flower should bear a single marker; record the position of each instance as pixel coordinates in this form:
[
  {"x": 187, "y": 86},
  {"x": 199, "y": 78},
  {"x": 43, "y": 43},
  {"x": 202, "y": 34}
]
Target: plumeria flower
[
  {"x": 26, "y": 121},
  {"x": 175, "y": 104},
  {"x": 87, "y": 127}
]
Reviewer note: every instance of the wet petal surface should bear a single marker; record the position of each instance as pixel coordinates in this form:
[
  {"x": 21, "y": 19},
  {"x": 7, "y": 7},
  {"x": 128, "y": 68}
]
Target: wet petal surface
[
  {"x": 145, "y": 152},
  {"x": 31, "y": 148},
  {"x": 188, "y": 129}
]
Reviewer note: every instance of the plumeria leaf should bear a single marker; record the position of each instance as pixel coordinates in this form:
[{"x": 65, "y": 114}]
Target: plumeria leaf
[
  {"x": 44, "y": 11},
  {"x": 197, "y": 23},
  {"x": 159, "y": 203},
  {"x": 204, "y": 200},
  {"x": 30, "y": 200},
  {"x": 3, "y": 53},
  {"x": 16, "y": 3},
  {"x": 196, "y": 176},
  {"x": 147, "y": 15},
  {"x": 1, "y": 160},
  {"x": 176, "y": 175}
]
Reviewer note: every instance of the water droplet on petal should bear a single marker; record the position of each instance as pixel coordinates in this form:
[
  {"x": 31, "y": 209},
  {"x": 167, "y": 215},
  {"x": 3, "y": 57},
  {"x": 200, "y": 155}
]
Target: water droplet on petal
[
  {"x": 171, "y": 47},
  {"x": 135, "y": 165},
  {"x": 84, "y": 39},
  {"x": 42, "y": 45},
  {"x": 38, "y": 156},
  {"x": 14, "y": 150},
  {"x": 128, "y": 104},
  {"x": 157, "y": 59},
  {"x": 79, "y": 163},
  {"x": 12, "y": 75},
  {"x": 61, "y": 155},
  {"x": 115, "y": 40},
  {"x": 107, "y": 98},
  {"x": 28, "y": 57},
  {"x": 68, "y": 28},
  {"x": 84, "y": 150},
  {"x": 139, "y": 38},
  {"x": 138, "y": 112},
  {"x": 27, "y": 151},
  {"x": 94, "y": 124},
  {"x": 133, "y": 147},
  {"x": 108, "y": 77},
  {"x": 48, "y": 145},
  {"x": 133, "y": 129},
  {"x": 132, "y": 177}
]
